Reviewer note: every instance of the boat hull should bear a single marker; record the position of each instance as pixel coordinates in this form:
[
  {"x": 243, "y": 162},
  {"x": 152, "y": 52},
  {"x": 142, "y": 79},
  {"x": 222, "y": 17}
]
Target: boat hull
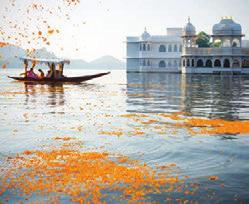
[{"x": 61, "y": 80}]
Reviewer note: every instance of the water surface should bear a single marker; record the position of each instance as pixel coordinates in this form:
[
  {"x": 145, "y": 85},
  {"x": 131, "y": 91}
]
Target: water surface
[{"x": 33, "y": 114}]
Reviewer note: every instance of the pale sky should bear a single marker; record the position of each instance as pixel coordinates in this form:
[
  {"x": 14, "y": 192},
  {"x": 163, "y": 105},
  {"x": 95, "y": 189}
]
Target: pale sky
[{"x": 99, "y": 27}]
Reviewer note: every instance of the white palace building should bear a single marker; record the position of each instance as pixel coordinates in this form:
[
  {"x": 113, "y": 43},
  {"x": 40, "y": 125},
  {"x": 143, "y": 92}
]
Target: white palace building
[
  {"x": 155, "y": 53},
  {"x": 178, "y": 52},
  {"x": 228, "y": 56}
]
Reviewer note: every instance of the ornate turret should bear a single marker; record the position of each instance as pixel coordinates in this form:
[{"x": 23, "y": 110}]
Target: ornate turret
[
  {"x": 227, "y": 33},
  {"x": 189, "y": 35},
  {"x": 189, "y": 29},
  {"x": 145, "y": 36},
  {"x": 227, "y": 27}
]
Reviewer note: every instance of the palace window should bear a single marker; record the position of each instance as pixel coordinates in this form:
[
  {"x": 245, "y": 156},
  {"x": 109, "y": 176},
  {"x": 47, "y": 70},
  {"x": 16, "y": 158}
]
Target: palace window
[
  {"x": 162, "y": 64},
  {"x": 236, "y": 63},
  {"x": 184, "y": 62},
  {"x": 245, "y": 63},
  {"x": 236, "y": 43},
  {"x": 209, "y": 63},
  {"x": 175, "y": 48},
  {"x": 148, "y": 47},
  {"x": 226, "y": 63},
  {"x": 200, "y": 63},
  {"x": 144, "y": 47},
  {"x": 188, "y": 62},
  {"x": 226, "y": 43},
  {"x": 162, "y": 48},
  {"x": 217, "y": 63}
]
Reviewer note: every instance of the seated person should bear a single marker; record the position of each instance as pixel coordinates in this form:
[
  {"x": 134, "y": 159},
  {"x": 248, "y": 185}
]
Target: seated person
[
  {"x": 58, "y": 74},
  {"x": 51, "y": 72},
  {"x": 48, "y": 75},
  {"x": 32, "y": 74},
  {"x": 41, "y": 75}
]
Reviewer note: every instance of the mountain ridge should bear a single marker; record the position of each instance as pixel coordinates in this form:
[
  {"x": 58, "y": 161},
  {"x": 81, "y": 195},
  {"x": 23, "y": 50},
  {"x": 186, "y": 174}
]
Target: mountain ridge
[{"x": 9, "y": 57}]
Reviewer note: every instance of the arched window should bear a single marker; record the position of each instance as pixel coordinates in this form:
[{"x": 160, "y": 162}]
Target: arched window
[
  {"x": 175, "y": 48},
  {"x": 209, "y": 63},
  {"x": 200, "y": 63},
  {"x": 226, "y": 63},
  {"x": 188, "y": 62},
  {"x": 217, "y": 43},
  {"x": 183, "y": 62},
  {"x": 217, "y": 63},
  {"x": 148, "y": 63},
  {"x": 226, "y": 43},
  {"x": 236, "y": 43},
  {"x": 144, "y": 47},
  {"x": 162, "y": 64},
  {"x": 170, "y": 48},
  {"x": 148, "y": 47},
  {"x": 162, "y": 48},
  {"x": 193, "y": 63},
  {"x": 245, "y": 63},
  {"x": 236, "y": 63}
]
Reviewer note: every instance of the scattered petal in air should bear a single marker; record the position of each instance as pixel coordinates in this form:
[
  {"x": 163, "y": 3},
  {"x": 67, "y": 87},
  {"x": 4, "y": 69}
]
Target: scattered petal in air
[{"x": 4, "y": 66}]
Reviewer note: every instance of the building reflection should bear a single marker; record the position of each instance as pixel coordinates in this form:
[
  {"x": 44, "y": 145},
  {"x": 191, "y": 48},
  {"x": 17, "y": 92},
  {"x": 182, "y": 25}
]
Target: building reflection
[
  {"x": 211, "y": 96},
  {"x": 153, "y": 92},
  {"x": 50, "y": 94}
]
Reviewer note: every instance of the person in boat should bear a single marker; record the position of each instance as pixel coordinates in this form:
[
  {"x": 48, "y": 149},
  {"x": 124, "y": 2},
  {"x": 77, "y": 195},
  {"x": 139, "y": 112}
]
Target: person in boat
[
  {"x": 48, "y": 74},
  {"x": 41, "y": 74},
  {"x": 60, "y": 70},
  {"x": 32, "y": 74},
  {"x": 51, "y": 73}
]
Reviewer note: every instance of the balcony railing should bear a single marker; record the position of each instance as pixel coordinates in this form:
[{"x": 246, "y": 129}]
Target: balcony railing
[
  {"x": 153, "y": 54},
  {"x": 215, "y": 51}
]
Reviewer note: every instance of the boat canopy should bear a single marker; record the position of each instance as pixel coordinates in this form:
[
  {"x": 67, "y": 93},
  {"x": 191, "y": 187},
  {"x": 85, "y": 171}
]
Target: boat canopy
[{"x": 45, "y": 61}]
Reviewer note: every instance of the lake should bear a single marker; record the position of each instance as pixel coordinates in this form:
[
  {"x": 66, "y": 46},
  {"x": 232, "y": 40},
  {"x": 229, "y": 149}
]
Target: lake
[{"x": 187, "y": 133}]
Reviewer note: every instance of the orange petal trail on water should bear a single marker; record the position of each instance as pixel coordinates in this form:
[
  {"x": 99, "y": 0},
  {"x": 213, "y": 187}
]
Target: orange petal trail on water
[
  {"x": 83, "y": 176},
  {"x": 213, "y": 178}
]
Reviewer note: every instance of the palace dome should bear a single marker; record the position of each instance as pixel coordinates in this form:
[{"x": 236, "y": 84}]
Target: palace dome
[
  {"x": 227, "y": 27},
  {"x": 145, "y": 35},
  {"x": 189, "y": 29}
]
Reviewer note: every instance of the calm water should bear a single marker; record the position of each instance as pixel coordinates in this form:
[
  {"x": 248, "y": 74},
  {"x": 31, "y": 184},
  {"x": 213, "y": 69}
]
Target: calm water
[{"x": 32, "y": 114}]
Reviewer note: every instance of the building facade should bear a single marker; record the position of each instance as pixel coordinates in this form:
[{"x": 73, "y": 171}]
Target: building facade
[
  {"x": 227, "y": 53},
  {"x": 155, "y": 53}
]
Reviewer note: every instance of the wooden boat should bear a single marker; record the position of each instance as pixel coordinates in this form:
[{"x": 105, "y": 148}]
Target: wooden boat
[
  {"x": 56, "y": 76},
  {"x": 64, "y": 79}
]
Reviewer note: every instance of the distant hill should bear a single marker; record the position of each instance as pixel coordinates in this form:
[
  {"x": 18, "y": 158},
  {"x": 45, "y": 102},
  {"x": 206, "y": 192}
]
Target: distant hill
[
  {"x": 107, "y": 62},
  {"x": 78, "y": 64},
  {"x": 10, "y": 54}
]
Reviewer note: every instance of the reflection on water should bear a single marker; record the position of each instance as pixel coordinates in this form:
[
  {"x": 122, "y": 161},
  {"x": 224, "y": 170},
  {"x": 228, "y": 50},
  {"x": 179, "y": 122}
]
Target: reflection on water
[
  {"x": 31, "y": 115},
  {"x": 211, "y": 96},
  {"x": 53, "y": 92}
]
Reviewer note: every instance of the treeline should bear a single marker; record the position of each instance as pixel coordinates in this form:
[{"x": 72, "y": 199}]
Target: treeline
[{"x": 204, "y": 40}]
